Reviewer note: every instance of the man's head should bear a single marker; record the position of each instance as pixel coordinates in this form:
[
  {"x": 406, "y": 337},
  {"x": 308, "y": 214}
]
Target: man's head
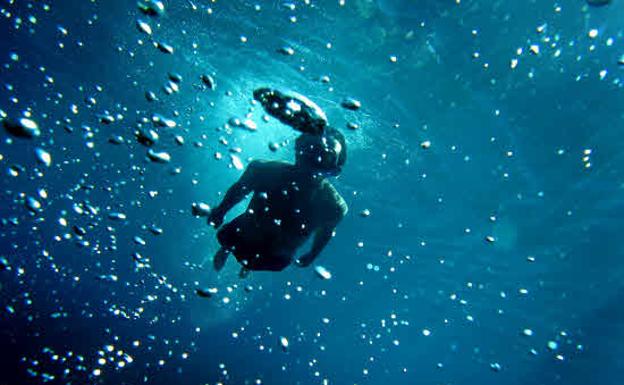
[{"x": 324, "y": 154}]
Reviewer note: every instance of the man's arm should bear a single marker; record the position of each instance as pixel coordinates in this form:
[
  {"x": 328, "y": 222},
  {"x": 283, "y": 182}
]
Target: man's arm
[
  {"x": 324, "y": 235},
  {"x": 321, "y": 239},
  {"x": 236, "y": 193}
]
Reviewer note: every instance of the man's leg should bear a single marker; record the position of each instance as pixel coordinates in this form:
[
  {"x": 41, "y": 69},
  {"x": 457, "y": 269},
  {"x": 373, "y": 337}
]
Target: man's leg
[{"x": 218, "y": 261}]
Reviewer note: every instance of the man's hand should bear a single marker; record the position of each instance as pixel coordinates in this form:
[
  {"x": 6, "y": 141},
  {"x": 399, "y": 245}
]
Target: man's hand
[
  {"x": 215, "y": 218},
  {"x": 305, "y": 260}
]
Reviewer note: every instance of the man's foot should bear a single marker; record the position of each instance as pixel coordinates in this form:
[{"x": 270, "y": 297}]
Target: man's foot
[
  {"x": 218, "y": 261},
  {"x": 243, "y": 273}
]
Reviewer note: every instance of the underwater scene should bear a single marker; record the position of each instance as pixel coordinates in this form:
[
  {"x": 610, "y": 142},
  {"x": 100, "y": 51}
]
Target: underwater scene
[{"x": 331, "y": 192}]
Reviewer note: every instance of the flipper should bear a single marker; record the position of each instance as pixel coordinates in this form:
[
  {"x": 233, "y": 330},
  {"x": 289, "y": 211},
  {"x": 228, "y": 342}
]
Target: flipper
[
  {"x": 292, "y": 109},
  {"x": 220, "y": 258}
]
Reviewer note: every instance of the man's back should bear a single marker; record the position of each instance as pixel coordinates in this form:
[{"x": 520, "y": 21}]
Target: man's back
[{"x": 289, "y": 204}]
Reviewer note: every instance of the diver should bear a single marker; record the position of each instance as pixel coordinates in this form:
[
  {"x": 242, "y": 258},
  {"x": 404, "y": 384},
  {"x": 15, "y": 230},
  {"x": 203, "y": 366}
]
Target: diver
[{"x": 290, "y": 203}]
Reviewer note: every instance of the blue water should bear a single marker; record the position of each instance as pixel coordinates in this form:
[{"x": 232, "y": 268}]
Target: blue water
[{"x": 488, "y": 153}]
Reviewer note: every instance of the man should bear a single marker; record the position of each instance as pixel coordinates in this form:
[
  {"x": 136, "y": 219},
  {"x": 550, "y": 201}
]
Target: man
[{"x": 290, "y": 204}]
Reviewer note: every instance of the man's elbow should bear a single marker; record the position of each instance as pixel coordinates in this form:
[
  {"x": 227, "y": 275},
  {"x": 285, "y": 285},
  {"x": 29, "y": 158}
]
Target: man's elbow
[
  {"x": 251, "y": 173},
  {"x": 254, "y": 164},
  {"x": 343, "y": 209},
  {"x": 330, "y": 228}
]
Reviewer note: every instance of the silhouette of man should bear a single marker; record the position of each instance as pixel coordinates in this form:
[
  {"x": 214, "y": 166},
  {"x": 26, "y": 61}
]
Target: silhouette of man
[{"x": 290, "y": 204}]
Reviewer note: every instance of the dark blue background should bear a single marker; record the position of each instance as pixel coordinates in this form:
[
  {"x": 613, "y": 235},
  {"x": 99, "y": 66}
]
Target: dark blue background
[{"x": 432, "y": 273}]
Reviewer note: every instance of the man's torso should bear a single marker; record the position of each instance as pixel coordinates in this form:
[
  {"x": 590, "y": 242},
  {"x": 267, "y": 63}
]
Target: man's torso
[{"x": 288, "y": 205}]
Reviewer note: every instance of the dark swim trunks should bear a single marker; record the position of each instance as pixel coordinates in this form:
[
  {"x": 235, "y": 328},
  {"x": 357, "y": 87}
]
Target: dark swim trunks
[{"x": 253, "y": 248}]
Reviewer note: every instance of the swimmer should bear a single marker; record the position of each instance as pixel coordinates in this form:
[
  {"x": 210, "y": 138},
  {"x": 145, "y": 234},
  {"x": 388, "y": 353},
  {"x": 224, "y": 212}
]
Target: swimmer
[{"x": 290, "y": 204}]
